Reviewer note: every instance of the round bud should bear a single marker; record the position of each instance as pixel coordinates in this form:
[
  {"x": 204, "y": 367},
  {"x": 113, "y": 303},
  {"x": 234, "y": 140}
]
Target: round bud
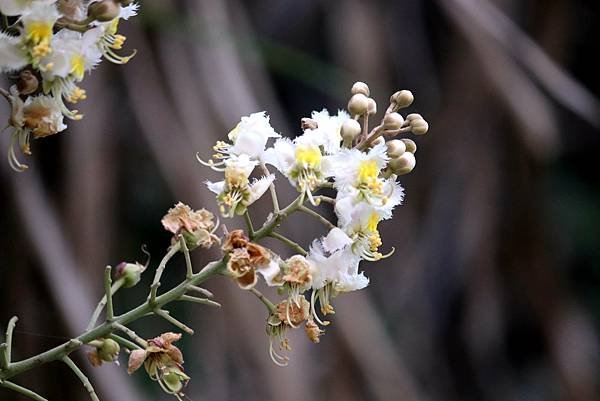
[
  {"x": 395, "y": 148},
  {"x": 131, "y": 273},
  {"x": 411, "y": 146},
  {"x": 403, "y": 164},
  {"x": 358, "y": 104},
  {"x": 393, "y": 121},
  {"x": 419, "y": 127},
  {"x": 377, "y": 141},
  {"x": 414, "y": 116},
  {"x": 27, "y": 83},
  {"x": 350, "y": 130},
  {"x": 372, "y": 107},
  {"x": 403, "y": 98},
  {"x": 109, "y": 350},
  {"x": 104, "y": 11},
  {"x": 360, "y": 87}
]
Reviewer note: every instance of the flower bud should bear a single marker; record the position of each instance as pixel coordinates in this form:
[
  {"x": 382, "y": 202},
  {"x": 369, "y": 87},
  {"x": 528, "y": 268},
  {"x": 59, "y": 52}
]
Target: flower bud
[
  {"x": 414, "y": 116},
  {"x": 350, "y": 130},
  {"x": 308, "y": 123},
  {"x": 131, "y": 273},
  {"x": 358, "y": 104},
  {"x": 109, "y": 350},
  {"x": 403, "y": 164},
  {"x": 360, "y": 87},
  {"x": 393, "y": 121},
  {"x": 395, "y": 148},
  {"x": 377, "y": 141},
  {"x": 27, "y": 83},
  {"x": 403, "y": 98},
  {"x": 419, "y": 126},
  {"x": 104, "y": 11},
  {"x": 372, "y": 107},
  {"x": 411, "y": 146}
]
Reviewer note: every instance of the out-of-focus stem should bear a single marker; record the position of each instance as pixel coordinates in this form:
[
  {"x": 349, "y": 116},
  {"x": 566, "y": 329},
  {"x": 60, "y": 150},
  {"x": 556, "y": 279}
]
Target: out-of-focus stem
[
  {"x": 84, "y": 380},
  {"x": 22, "y": 390}
]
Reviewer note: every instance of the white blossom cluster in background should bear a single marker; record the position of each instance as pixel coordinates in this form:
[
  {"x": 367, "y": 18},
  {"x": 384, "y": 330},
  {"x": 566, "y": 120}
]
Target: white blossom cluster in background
[
  {"x": 48, "y": 46},
  {"x": 335, "y": 152}
]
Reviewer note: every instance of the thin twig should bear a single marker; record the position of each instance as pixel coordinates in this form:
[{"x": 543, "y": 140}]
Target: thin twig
[
  {"x": 326, "y": 199},
  {"x": 124, "y": 342},
  {"x": 201, "y": 290},
  {"x": 9, "y": 332},
  {"x": 289, "y": 243},
  {"x": 197, "y": 300},
  {"x": 132, "y": 334},
  {"x": 271, "y": 188},
  {"x": 3, "y": 357},
  {"x": 22, "y": 390},
  {"x": 108, "y": 294},
  {"x": 316, "y": 215},
  {"x": 159, "y": 271},
  {"x": 165, "y": 315},
  {"x": 114, "y": 288},
  {"x": 188, "y": 260},
  {"x": 270, "y": 305},
  {"x": 249, "y": 225},
  {"x": 84, "y": 380}
]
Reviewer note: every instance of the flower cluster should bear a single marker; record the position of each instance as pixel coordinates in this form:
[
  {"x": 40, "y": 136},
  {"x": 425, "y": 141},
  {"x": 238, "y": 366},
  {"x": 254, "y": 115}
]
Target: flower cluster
[
  {"x": 334, "y": 152},
  {"x": 48, "y": 46}
]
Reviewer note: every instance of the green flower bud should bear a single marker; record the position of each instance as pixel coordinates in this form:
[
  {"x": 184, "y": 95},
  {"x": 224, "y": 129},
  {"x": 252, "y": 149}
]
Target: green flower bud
[
  {"x": 360, "y": 87},
  {"x": 174, "y": 379},
  {"x": 109, "y": 350},
  {"x": 130, "y": 272}
]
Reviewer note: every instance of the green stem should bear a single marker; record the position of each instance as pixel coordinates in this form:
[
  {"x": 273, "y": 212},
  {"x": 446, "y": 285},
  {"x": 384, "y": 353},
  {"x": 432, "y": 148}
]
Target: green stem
[
  {"x": 9, "y": 333},
  {"x": 84, "y": 380},
  {"x": 57, "y": 353},
  {"x": 270, "y": 305},
  {"x": 326, "y": 199},
  {"x": 110, "y": 314},
  {"x": 249, "y": 225},
  {"x": 22, "y": 390},
  {"x": 271, "y": 188},
  {"x": 289, "y": 243},
  {"x": 132, "y": 334},
  {"x": 124, "y": 342},
  {"x": 200, "y": 290},
  {"x": 113, "y": 289},
  {"x": 3, "y": 356},
  {"x": 159, "y": 271},
  {"x": 202, "y": 301},
  {"x": 276, "y": 218},
  {"x": 165, "y": 315},
  {"x": 316, "y": 215},
  {"x": 188, "y": 260}
]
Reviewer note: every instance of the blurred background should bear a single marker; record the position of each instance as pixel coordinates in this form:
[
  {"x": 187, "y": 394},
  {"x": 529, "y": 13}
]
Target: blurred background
[{"x": 494, "y": 290}]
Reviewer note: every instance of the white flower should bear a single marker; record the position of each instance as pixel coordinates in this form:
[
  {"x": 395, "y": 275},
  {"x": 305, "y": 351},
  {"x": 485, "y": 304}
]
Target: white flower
[
  {"x": 17, "y": 7},
  {"x": 357, "y": 174},
  {"x": 327, "y": 133},
  {"x": 249, "y": 137},
  {"x": 12, "y": 56},
  {"x": 301, "y": 161},
  {"x": 107, "y": 38},
  {"x": 271, "y": 272},
  {"x": 129, "y": 11},
  {"x": 236, "y": 193},
  {"x": 38, "y": 23}
]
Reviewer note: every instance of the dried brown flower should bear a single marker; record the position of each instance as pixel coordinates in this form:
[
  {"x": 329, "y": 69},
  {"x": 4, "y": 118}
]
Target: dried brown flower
[
  {"x": 245, "y": 258},
  {"x": 292, "y": 313},
  {"x": 313, "y": 331},
  {"x": 297, "y": 271}
]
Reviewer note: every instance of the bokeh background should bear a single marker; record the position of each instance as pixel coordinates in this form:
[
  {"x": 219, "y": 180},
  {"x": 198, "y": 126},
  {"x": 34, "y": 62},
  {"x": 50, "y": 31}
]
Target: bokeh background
[{"x": 494, "y": 290}]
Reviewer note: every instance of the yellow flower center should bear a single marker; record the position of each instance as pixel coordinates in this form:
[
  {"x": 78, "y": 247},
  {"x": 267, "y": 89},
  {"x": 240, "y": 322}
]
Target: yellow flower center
[
  {"x": 235, "y": 178},
  {"x": 373, "y": 222},
  {"x": 308, "y": 156},
  {"x": 78, "y": 66},
  {"x": 38, "y": 32},
  {"x": 367, "y": 171}
]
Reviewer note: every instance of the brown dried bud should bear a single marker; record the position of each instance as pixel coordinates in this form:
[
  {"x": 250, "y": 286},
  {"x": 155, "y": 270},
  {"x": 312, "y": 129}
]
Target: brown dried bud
[
  {"x": 395, "y": 148},
  {"x": 403, "y": 98},
  {"x": 27, "y": 83},
  {"x": 403, "y": 164},
  {"x": 360, "y": 87},
  {"x": 411, "y": 146},
  {"x": 104, "y": 11},
  {"x": 393, "y": 121},
  {"x": 313, "y": 331},
  {"x": 297, "y": 314},
  {"x": 358, "y": 104},
  {"x": 350, "y": 130},
  {"x": 308, "y": 123}
]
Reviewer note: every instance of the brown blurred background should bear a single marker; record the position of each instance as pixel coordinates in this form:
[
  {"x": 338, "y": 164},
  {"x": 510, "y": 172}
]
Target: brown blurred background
[{"x": 494, "y": 290}]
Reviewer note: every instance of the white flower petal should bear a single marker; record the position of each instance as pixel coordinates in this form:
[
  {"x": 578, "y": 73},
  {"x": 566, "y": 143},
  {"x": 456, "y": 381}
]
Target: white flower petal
[
  {"x": 12, "y": 57},
  {"x": 259, "y": 187},
  {"x": 335, "y": 240},
  {"x": 270, "y": 272},
  {"x": 215, "y": 187}
]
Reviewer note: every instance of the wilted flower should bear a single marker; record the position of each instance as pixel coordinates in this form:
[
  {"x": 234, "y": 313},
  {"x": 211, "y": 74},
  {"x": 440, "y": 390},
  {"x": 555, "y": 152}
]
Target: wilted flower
[
  {"x": 293, "y": 312},
  {"x": 197, "y": 227},
  {"x": 163, "y": 362},
  {"x": 245, "y": 259},
  {"x": 313, "y": 331}
]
